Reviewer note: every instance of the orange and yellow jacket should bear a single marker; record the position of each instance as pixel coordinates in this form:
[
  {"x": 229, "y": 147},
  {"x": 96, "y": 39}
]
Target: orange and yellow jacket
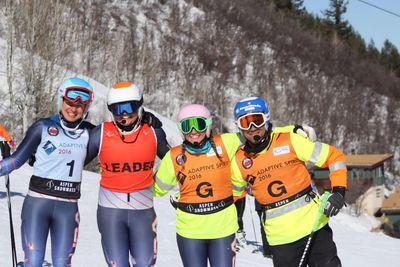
[
  {"x": 205, "y": 209},
  {"x": 5, "y": 134},
  {"x": 206, "y": 187},
  {"x": 279, "y": 179}
]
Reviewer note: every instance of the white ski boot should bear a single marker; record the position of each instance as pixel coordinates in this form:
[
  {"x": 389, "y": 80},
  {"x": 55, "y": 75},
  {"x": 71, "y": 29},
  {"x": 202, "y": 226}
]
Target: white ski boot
[{"x": 240, "y": 240}]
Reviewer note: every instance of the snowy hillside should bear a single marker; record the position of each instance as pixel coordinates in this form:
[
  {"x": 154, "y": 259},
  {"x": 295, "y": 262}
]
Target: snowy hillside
[{"x": 356, "y": 244}]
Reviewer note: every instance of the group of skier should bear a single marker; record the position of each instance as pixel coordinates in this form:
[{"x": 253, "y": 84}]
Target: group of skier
[{"x": 211, "y": 171}]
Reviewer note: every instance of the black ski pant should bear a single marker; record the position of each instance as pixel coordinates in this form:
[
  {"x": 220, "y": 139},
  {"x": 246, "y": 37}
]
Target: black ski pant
[
  {"x": 5, "y": 149},
  {"x": 266, "y": 249},
  {"x": 321, "y": 253},
  {"x": 240, "y": 206}
]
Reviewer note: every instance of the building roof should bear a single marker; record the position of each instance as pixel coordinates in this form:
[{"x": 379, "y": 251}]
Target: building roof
[
  {"x": 392, "y": 203},
  {"x": 367, "y": 160}
]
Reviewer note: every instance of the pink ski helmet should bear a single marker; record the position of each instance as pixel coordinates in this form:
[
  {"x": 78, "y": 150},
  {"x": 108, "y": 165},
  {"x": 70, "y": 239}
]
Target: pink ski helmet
[{"x": 195, "y": 110}]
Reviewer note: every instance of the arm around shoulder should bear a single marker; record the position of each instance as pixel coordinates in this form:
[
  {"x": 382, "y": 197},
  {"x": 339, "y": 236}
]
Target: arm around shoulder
[{"x": 165, "y": 178}]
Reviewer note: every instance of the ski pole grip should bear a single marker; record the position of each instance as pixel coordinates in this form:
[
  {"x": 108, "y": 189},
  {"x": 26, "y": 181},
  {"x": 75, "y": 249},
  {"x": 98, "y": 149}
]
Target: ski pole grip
[{"x": 325, "y": 197}]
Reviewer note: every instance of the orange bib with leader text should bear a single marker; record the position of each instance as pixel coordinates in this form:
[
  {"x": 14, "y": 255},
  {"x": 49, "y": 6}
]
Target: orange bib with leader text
[{"x": 127, "y": 163}]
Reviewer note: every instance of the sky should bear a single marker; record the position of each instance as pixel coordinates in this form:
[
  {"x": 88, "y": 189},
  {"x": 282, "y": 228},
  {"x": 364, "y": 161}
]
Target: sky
[
  {"x": 370, "y": 22},
  {"x": 358, "y": 245}
]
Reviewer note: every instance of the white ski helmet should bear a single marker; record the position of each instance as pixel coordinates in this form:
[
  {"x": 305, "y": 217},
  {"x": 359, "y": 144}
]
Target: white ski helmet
[{"x": 126, "y": 92}]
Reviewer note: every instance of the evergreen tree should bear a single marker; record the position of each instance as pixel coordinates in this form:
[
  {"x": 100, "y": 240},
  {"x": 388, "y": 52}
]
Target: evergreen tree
[
  {"x": 390, "y": 57},
  {"x": 283, "y": 4},
  {"x": 334, "y": 14},
  {"x": 372, "y": 52},
  {"x": 298, "y": 5}
]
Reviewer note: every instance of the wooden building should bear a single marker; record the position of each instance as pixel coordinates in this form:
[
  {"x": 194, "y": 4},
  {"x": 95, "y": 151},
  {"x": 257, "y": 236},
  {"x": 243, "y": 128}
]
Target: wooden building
[
  {"x": 391, "y": 212},
  {"x": 364, "y": 171}
]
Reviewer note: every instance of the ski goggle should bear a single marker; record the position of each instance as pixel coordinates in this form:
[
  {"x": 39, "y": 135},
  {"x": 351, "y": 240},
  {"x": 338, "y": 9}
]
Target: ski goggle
[
  {"x": 200, "y": 124},
  {"x": 81, "y": 95},
  {"x": 129, "y": 107},
  {"x": 256, "y": 119}
]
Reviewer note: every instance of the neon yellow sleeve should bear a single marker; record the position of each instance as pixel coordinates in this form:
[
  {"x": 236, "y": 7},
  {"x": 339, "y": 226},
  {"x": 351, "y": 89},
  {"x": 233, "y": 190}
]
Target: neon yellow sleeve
[
  {"x": 231, "y": 143},
  {"x": 165, "y": 178},
  {"x": 324, "y": 156},
  {"x": 284, "y": 129},
  {"x": 238, "y": 183},
  {"x": 308, "y": 151}
]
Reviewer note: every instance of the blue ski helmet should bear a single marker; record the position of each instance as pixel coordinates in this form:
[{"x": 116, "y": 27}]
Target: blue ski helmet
[
  {"x": 72, "y": 83},
  {"x": 251, "y": 105}
]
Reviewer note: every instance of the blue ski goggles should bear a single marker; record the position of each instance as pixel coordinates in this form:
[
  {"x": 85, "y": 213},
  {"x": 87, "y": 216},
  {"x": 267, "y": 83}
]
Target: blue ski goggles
[
  {"x": 200, "y": 124},
  {"x": 81, "y": 95},
  {"x": 130, "y": 107}
]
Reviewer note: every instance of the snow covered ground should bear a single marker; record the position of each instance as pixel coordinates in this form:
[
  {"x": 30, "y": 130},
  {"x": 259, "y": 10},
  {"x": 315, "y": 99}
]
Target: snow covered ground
[{"x": 357, "y": 245}]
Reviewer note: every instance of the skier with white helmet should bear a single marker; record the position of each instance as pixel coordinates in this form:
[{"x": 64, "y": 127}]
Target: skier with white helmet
[
  {"x": 51, "y": 203},
  {"x": 273, "y": 165},
  {"x": 127, "y": 148}
]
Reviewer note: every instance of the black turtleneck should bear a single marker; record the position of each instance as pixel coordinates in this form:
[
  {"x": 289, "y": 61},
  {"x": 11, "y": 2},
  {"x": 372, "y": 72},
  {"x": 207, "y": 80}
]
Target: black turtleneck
[{"x": 251, "y": 148}]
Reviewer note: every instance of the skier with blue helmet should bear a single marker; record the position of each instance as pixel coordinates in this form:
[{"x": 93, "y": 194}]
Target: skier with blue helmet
[
  {"x": 260, "y": 118},
  {"x": 50, "y": 205},
  {"x": 273, "y": 166}
]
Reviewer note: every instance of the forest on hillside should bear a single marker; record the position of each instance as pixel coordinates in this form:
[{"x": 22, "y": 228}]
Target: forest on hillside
[{"x": 211, "y": 52}]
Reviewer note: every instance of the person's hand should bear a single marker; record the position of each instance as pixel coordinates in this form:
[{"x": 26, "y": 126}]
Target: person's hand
[
  {"x": 173, "y": 199},
  {"x": 334, "y": 203},
  {"x": 31, "y": 160},
  {"x": 305, "y": 131},
  {"x": 150, "y": 119},
  {"x": 12, "y": 144}
]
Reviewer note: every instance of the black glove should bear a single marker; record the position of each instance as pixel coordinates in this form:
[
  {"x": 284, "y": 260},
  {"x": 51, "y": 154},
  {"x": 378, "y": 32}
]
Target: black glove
[
  {"x": 335, "y": 202},
  {"x": 150, "y": 119},
  {"x": 5, "y": 149},
  {"x": 31, "y": 160}
]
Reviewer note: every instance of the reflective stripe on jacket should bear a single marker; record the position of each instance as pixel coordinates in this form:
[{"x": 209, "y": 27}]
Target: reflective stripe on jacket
[
  {"x": 278, "y": 173},
  {"x": 202, "y": 226}
]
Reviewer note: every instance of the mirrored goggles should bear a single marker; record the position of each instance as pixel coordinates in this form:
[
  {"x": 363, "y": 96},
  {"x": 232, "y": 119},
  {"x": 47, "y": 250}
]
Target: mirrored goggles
[
  {"x": 256, "y": 119},
  {"x": 81, "y": 95},
  {"x": 200, "y": 124},
  {"x": 130, "y": 107}
]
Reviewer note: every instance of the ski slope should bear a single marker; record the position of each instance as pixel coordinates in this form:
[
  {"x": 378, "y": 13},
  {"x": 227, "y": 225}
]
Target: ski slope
[{"x": 357, "y": 245}]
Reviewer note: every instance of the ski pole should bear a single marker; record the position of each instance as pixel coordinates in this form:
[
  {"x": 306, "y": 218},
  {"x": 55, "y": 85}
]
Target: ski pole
[
  {"x": 252, "y": 220},
  {"x": 13, "y": 250},
  {"x": 315, "y": 226}
]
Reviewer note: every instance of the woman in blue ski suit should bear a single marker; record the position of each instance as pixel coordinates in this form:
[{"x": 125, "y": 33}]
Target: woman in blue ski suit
[{"x": 60, "y": 142}]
